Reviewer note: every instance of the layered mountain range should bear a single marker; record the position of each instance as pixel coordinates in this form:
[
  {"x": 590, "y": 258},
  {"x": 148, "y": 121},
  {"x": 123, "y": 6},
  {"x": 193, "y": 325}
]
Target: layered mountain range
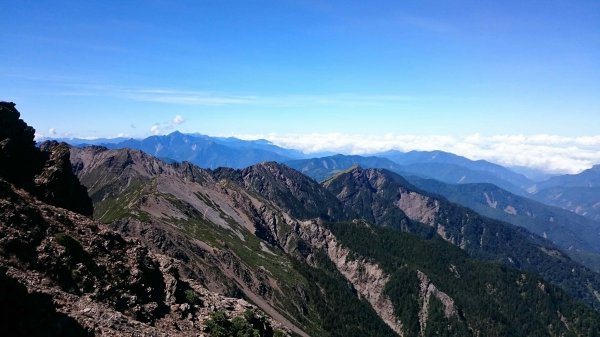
[
  {"x": 274, "y": 233},
  {"x": 577, "y": 193},
  {"x": 575, "y": 234},
  {"x": 177, "y": 249}
]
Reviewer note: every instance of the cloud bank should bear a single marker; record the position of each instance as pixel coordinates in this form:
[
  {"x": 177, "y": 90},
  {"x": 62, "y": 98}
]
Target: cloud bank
[{"x": 549, "y": 153}]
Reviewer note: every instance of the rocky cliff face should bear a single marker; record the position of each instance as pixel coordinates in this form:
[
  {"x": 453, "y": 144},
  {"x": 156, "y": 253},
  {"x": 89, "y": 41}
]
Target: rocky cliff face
[
  {"x": 19, "y": 159},
  {"x": 367, "y": 277},
  {"x": 427, "y": 292},
  {"x": 56, "y": 184}
]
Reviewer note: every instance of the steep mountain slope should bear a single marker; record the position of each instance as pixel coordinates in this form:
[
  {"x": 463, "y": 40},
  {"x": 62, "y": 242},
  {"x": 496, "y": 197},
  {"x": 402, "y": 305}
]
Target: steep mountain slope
[
  {"x": 374, "y": 191},
  {"x": 65, "y": 275},
  {"x": 457, "y": 295},
  {"x": 574, "y": 234},
  {"x": 229, "y": 237},
  {"x": 292, "y": 191},
  {"x": 62, "y": 274}
]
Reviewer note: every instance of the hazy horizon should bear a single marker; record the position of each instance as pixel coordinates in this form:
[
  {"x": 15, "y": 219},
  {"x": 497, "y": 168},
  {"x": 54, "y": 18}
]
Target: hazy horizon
[{"x": 474, "y": 147}]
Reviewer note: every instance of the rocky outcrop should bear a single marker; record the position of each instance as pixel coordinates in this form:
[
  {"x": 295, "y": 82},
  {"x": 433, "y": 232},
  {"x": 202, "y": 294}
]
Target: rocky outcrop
[
  {"x": 19, "y": 158},
  {"x": 56, "y": 183},
  {"x": 44, "y": 172},
  {"x": 90, "y": 280},
  {"x": 418, "y": 207},
  {"x": 427, "y": 292},
  {"x": 367, "y": 277},
  {"x": 371, "y": 194}
]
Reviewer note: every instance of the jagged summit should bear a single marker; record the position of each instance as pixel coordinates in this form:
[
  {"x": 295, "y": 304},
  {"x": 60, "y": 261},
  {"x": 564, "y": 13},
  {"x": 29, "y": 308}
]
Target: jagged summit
[
  {"x": 298, "y": 194},
  {"x": 19, "y": 158},
  {"x": 45, "y": 171}
]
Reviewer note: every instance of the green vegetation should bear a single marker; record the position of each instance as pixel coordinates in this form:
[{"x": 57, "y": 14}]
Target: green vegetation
[
  {"x": 118, "y": 206},
  {"x": 247, "y": 325},
  {"x": 341, "y": 313},
  {"x": 72, "y": 246},
  {"x": 574, "y": 234},
  {"x": 374, "y": 194},
  {"x": 191, "y": 297},
  {"x": 492, "y": 299}
]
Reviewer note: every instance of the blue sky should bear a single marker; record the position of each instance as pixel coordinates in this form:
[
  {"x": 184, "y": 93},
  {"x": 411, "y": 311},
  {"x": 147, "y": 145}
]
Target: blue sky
[{"x": 456, "y": 68}]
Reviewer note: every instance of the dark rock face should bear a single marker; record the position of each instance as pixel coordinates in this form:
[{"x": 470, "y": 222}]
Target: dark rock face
[
  {"x": 44, "y": 172},
  {"x": 19, "y": 158},
  {"x": 57, "y": 184}
]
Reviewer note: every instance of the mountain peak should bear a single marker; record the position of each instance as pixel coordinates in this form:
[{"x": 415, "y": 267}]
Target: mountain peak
[{"x": 297, "y": 194}]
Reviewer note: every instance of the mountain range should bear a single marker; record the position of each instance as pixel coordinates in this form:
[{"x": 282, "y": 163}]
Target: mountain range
[
  {"x": 204, "y": 151},
  {"x": 103, "y": 241},
  {"x": 578, "y": 193},
  {"x": 575, "y": 234},
  {"x": 274, "y": 233}
]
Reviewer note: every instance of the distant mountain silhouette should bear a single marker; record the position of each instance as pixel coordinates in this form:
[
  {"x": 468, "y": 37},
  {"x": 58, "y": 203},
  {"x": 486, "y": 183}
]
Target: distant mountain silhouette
[{"x": 205, "y": 151}]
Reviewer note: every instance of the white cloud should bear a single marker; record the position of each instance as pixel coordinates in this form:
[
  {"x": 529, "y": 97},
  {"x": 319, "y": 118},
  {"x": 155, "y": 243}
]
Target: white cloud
[
  {"x": 184, "y": 97},
  {"x": 178, "y": 120},
  {"x": 210, "y": 98},
  {"x": 550, "y": 153},
  {"x": 52, "y": 132},
  {"x": 155, "y": 129}
]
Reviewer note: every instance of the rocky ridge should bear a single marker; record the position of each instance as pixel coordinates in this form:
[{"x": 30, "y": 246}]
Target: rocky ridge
[{"x": 63, "y": 273}]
